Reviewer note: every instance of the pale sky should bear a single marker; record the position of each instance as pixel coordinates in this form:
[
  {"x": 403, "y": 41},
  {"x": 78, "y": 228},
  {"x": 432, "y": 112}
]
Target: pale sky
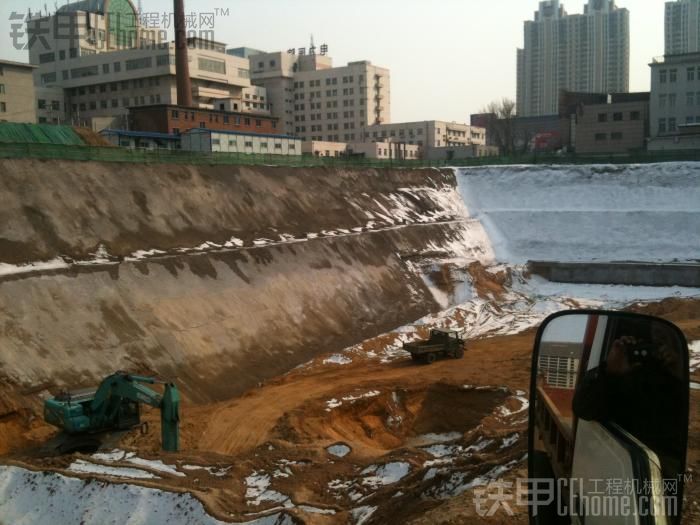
[{"x": 448, "y": 58}]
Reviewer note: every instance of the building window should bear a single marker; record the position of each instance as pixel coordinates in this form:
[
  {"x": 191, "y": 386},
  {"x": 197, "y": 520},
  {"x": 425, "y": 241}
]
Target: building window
[
  {"x": 165, "y": 60},
  {"x": 202, "y": 125},
  {"x": 176, "y": 131},
  {"x": 617, "y": 117},
  {"x": 672, "y": 100},
  {"x": 672, "y": 125},
  {"x": 117, "y": 67},
  {"x": 62, "y": 54},
  {"x": 599, "y": 137},
  {"x": 212, "y": 66},
  {"x": 689, "y": 120},
  {"x": 616, "y": 135},
  {"x": 105, "y": 68},
  {"x": 673, "y": 75},
  {"x": 662, "y": 100},
  {"x": 249, "y": 144},
  {"x": 48, "y": 78},
  {"x": 139, "y": 63},
  {"x": 73, "y": 52},
  {"x": 691, "y": 74},
  {"x": 690, "y": 99},
  {"x": 56, "y": 105},
  {"x": 93, "y": 104},
  {"x": 44, "y": 58},
  {"x": 41, "y": 103},
  {"x": 246, "y": 122},
  {"x": 602, "y": 117},
  {"x": 663, "y": 76},
  {"x": 82, "y": 72},
  {"x": 103, "y": 104},
  {"x": 175, "y": 113}
]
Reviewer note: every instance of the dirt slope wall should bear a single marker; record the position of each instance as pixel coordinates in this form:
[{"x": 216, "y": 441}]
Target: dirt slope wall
[
  {"x": 70, "y": 208},
  {"x": 219, "y": 321}
]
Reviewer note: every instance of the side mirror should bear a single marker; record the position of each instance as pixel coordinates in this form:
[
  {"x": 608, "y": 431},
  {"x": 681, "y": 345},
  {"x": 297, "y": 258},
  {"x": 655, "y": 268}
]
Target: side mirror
[{"x": 608, "y": 419}]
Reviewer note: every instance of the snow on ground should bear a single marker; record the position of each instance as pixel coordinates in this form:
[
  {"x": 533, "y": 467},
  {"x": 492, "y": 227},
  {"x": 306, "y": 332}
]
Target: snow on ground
[
  {"x": 258, "y": 491},
  {"x": 85, "y": 467},
  {"x": 54, "y": 264},
  {"x": 335, "y": 403},
  {"x": 337, "y": 359},
  {"x": 339, "y": 450},
  {"x": 43, "y": 498},
  {"x": 385, "y": 474},
  {"x": 157, "y": 465},
  {"x": 694, "y": 348},
  {"x": 584, "y": 213},
  {"x": 362, "y": 514}
]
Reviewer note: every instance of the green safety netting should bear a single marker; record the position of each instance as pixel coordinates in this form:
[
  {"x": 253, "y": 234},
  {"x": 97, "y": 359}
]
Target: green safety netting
[{"x": 38, "y": 134}]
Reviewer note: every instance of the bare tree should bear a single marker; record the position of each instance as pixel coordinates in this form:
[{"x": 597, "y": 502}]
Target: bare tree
[{"x": 500, "y": 117}]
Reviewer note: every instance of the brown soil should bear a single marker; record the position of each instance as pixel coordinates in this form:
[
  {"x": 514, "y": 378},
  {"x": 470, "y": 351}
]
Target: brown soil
[
  {"x": 288, "y": 419},
  {"x": 91, "y": 138}
]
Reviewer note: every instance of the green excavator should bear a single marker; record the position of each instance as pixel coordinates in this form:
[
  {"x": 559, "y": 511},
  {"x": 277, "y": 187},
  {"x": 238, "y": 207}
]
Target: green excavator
[{"x": 114, "y": 406}]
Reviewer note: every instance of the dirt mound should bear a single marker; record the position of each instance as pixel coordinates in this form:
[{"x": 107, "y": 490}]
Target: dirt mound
[
  {"x": 91, "y": 138},
  {"x": 684, "y": 312}
]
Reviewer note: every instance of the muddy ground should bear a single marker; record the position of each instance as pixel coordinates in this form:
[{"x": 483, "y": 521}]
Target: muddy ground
[{"x": 383, "y": 412}]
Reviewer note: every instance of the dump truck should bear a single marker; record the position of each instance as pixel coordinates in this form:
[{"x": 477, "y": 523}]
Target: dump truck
[
  {"x": 442, "y": 343},
  {"x": 113, "y": 406}
]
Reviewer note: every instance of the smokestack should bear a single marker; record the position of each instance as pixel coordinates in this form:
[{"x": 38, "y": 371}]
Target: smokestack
[{"x": 182, "y": 66}]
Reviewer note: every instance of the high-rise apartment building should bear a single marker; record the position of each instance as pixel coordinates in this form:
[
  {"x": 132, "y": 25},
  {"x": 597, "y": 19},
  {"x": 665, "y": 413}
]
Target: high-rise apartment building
[
  {"x": 319, "y": 102},
  {"x": 682, "y": 27},
  {"x": 587, "y": 52}
]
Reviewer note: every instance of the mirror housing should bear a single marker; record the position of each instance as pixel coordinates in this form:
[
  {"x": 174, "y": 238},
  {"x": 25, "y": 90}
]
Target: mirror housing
[{"x": 608, "y": 432}]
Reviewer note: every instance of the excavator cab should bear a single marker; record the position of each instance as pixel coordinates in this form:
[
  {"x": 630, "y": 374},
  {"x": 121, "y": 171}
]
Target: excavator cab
[
  {"x": 129, "y": 415},
  {"x": 608, "y": 420}
]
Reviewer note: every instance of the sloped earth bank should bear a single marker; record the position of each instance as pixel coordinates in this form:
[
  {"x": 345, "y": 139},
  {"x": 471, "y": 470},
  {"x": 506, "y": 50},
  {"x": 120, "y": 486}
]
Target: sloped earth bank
[{"x": 262, "y": 291}]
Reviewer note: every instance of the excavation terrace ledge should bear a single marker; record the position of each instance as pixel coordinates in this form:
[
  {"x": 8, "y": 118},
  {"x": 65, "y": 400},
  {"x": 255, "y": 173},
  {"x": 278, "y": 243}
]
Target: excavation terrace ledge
[{"x": 623, "y": 273}]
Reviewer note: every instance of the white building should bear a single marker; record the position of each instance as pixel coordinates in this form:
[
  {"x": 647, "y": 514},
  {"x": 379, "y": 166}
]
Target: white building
[
  {"x": 682, "y": 27},
  {"x": 674, "y": 108},
  {"x": 319, "y": 102},
  {"x": 95, "y": 76},
  {"x": 426, "y": 133},
  {"x": 586, "y": 53},
  {"x": 212, "y": 141}
]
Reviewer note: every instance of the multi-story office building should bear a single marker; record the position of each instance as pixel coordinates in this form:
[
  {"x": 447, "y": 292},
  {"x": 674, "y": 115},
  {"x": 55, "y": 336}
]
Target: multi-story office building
[
  {"x": 427, "y": 134},
  {"x": 675, "y": 94},
  {"x": 319, "y": 102},
  {"x": 682, "y": 27},
  {"x": 17, "y": 101},
  {"x": 588, "y": 52},
  {"x": 92, "y": 76}
]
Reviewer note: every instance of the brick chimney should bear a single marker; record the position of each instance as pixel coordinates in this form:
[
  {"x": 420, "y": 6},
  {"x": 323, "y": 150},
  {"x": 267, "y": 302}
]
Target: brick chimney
[{"x": 182, "y": 66}]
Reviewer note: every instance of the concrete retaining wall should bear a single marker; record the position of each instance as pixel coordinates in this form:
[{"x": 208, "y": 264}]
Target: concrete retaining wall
[{"x": 637, "y": 274}]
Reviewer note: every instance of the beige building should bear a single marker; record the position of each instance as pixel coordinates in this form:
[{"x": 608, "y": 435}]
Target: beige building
[
  {"x": 619, "y": 125},
  {"x": 95, "y": 76},
  {"x": 320, "y": 148},
  {"x": 587, "y": 53},
  {"x": 427, "y": 134},
  {"x": 17, "y": 99},
  {"x": 319, "y": 102},
  {"x": 369, "y": 150}
]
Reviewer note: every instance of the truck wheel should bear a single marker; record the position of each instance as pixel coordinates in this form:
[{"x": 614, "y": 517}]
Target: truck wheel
[
  {"x": 430, "y": 358},
  {"x": 459, "y": 353}
]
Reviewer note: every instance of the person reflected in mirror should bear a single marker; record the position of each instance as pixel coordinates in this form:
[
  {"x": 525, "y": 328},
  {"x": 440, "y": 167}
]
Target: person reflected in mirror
[{"x": 639, "y": 387}]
